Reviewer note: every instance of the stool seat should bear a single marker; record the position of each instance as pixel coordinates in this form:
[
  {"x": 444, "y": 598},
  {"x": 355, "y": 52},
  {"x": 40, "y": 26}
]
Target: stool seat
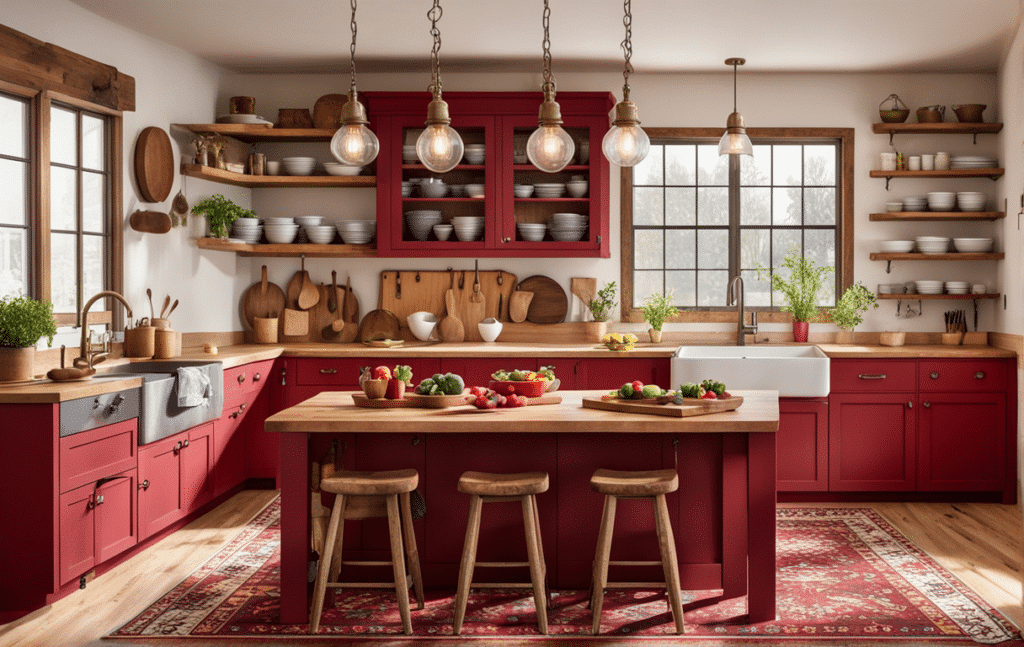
[
  {"x": 371, "y": 483},
  {"x": 639, "y": 484},
  {"x": 486, "y": 484}
]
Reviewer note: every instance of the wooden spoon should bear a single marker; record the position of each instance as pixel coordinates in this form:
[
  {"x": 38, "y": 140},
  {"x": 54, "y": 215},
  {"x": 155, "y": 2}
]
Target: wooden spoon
[
  {"x": 167, "y": 303},
  {"x": 350, "y": 329},
  {"x": 308, "y": 295},
  {"x": 152, "y": 310},
  {"x": 450, "y": 327}
]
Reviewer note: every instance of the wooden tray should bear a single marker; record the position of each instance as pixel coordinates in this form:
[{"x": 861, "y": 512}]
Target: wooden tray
[
  {"x": 650, "y": 406},
  {"x": 413, "y": 400}
]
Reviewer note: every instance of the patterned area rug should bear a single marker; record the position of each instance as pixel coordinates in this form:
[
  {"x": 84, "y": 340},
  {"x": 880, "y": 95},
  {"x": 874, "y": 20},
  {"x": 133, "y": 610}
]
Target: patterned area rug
[{"x": 843, "y": 574}]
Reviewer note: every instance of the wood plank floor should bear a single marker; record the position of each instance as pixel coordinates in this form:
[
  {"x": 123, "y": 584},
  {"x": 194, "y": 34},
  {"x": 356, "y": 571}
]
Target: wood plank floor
[{"x": 980, "y": 543}]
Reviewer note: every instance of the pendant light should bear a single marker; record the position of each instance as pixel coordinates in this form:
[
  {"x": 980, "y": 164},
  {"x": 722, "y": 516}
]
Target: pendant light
[
  {"x": 439, "y": 147},
  {"x": 549, "y": 148},
  {"x": 354, "y": 144},
  {"x": 626, "y": 143},
  {"x": 735, "y": 140}
]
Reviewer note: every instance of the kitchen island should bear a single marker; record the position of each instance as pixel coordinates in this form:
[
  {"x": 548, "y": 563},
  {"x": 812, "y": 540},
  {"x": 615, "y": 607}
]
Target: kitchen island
[{"x": 723, "y": 515}]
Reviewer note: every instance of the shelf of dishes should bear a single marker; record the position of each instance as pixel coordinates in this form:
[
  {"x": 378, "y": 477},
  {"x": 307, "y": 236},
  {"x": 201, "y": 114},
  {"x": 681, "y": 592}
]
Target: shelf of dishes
[
  {"x": 254, "y": 133},
  {"x": 434, "y": 188},
  {"x": 937, "y": 248},
  {"x": 936, "y": 216},
  {"x": 302, "y": 230},
  {"x": 989, "y": 172},
  {"x": 429, "y": 224},
  {"x": 290, "y": 250},
  {"x": 935, "y": 289},
  {"x": 913, "y": 295},
  {"x": 938, "y": 128},
  {"x": 277, "y": 181}
]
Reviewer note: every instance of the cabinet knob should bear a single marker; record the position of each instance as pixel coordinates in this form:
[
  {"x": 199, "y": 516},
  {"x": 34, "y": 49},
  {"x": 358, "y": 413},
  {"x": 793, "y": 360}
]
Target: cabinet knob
[
  {"x": 241, "y": 378},
  {"x": 144, "y": 485},
  {"x": 177, "y": 447},
  {"x": 242, "y": 407},
  {"x": 328, "y": 371},
  {"x": 910, "y": 405},
  {"x": 256, "y": 377},
  {"x": 934, "y": 375},
  {"x": 99, "y": 499},
  {"x": 185, "y": 444},
  {"x": 927, "y": 404},
  {"x": 980, "y": 375},
  {"x": 506, "y": 239}
]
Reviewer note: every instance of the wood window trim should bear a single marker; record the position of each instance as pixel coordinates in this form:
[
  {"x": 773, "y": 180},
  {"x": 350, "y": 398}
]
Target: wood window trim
[{"x": 630, "y": 314}]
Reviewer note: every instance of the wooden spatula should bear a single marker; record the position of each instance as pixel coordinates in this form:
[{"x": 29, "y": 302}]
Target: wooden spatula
[
  {"x": 308, "y": 295},
  {"x": 350, "y": 329},
  {"x": 519, "y": 305},
  {"x": 450, "y": 328}
]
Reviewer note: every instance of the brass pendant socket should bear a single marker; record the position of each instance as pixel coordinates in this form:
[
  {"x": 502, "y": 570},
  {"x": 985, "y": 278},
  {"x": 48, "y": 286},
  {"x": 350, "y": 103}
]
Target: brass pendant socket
[
  {"x": 734, "y": 125},
  {"x": 353, "y": 112},
  {"x": 550, "y": 113},
  {"x": 437, "y": 112},
  {"x": 626, "y": 114}
]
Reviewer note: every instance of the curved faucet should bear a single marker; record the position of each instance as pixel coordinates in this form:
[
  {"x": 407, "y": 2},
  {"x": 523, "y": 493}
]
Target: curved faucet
[
  {"x": 85, "y": 351},
  {"x": 736, "y": 296}
]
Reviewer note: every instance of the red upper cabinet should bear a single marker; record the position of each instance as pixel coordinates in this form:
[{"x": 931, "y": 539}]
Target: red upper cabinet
[{"x": 502, "y": 122}]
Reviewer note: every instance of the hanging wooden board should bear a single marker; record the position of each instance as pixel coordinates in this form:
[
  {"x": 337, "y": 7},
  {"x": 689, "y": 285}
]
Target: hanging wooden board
[
  {"x": 262, "y": 299},
  {"x": 690, "y": 406},
  {"x": 154, "y": 164},
  {"x": 423, "y": 291},
  {"x": 327, "y": 110},
  {"x": 379, "y": 325},
  {"x": 549, "y": 304},
  {"x": 150, "y": 222}
]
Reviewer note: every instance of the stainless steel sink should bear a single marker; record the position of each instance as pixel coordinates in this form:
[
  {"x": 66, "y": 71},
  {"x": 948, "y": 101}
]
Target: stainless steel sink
[{"x": 159, "y": 413}]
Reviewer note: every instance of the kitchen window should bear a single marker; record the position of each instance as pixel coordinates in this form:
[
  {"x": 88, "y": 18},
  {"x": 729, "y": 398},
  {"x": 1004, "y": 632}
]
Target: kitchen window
[{"x": 692, "y": 220}]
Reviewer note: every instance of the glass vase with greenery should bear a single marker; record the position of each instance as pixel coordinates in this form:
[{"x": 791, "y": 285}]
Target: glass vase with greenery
[
  {"x": 220, "y": 212},
  {"x": 800, "y": 288},
  {"x": 847, "y": 314},
  {"x": 601, "y": 305},
  {"x": 656, "y": 309}
]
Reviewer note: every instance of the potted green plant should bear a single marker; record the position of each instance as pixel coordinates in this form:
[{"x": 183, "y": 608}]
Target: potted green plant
[
  {"x": 600, "y": 307},
  {"x": 656, "y": 309},
  {"x": 23, "y": 322},
  {"x": 847, "y": 313},
  {"x": 800, "y": 289},
  {"x": 220, "y": 213}
]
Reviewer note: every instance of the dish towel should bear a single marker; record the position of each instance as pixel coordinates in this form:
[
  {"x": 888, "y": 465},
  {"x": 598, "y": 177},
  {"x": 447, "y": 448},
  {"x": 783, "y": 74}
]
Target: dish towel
[{"x": 193, "y": 387}]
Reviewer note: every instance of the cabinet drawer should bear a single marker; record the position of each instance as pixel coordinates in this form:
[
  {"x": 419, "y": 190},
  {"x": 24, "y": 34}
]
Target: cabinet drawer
[
  {"x": 97, "y": 453},
  {"x": 962, "y": 375},
  {"x": 860, "y": 375},
  {"x": 334, "y": 371},
  {"x": 246, "y": 379}
]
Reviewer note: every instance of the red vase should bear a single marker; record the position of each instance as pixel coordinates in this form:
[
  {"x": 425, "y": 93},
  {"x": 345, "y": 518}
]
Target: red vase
[{"x": 800, "y": 331}]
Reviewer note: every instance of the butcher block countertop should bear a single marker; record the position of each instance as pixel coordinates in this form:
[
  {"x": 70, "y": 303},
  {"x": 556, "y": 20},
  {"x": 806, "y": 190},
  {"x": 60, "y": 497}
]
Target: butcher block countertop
[{"x": 333, "y": 412}]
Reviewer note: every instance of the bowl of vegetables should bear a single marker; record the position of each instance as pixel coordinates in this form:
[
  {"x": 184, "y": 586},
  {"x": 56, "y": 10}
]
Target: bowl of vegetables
[
  {"x": 441, "y": 391},
  {"x": 621, "y": 342},
  {"x": 532, "y": 384}
]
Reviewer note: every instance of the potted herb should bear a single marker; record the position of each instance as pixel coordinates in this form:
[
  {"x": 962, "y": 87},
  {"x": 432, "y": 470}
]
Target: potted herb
[
  {"x": 220, "y": 213},
  {"x": 656, "y": 309},
  {"x": 600, "y": 307},
  {"x": 847, "y": 313},
  {"x": 23, "y": 322},
  {"x": 799, "y": 289}
]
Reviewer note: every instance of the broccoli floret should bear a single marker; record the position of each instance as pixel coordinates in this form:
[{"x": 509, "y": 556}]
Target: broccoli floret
[
  {"x": 427, "y": 387},
  {"x": 451, "y": 384},
  {"x": 690, "y": 390},
  {"x": 626, "y": 390},
  {"x": 711, "y": 385}
]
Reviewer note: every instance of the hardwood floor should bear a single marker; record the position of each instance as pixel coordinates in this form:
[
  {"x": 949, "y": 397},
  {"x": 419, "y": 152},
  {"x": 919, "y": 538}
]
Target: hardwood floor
[{"x": 980, "y": 543}]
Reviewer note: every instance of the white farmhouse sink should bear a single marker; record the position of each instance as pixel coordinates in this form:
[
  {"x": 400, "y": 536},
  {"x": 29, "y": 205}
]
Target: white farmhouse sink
[{"x": 793, "y": 371}]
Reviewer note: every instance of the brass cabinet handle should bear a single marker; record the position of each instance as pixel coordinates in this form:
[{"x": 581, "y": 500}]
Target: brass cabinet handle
[
  {"x": 185, "y": 444},
  {"x": 927, "y": 404},
  {"x": 934, "y": 375},
  {"x": 328, "y": 371},
  {"x": 980, "y": 375},
  {"x": 256, "y": 377},
  {"x": 144, "y": 485},
  {"x": 241, "y": 378},
  {"x": 865, "y": 376},
  {"x": 177, "y": 447},
  {"x": 910, "y": 405},
  {"x": 506, "y": 239},
  {"x": 99, "y": 499}
]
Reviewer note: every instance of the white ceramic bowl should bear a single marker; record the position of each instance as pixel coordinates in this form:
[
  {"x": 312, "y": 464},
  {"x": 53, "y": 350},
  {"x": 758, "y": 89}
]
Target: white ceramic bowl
[
  {"x": 894, "y": 206},
  {"x": 310, "y": 221},
  {"x": 941, "y": 201},
  {"x": 467, "y": 235},
  {"x": 489, "y": 328},
  {"x": 299, "y": 165},
  {"x": 474, "y": 155},
  {"x": 273, "y": 167},
  {"x": 282, "y": 236},
  {"x": 443, "y": 232},
  {"x": 576, "y": 189},
  {"x": 475, "y": 190},
  {"x": 422, "y": 324},
  {"x": 334, "y": 168},
  {"x": 457, "y": 190},
  {"x": 973, "y": 245},
  {"x": 522, "y": 190},
  {"x": 433, "y": 188},
  {"x": 247, "y": 222},
  {"x": 531, "y": 232},
  {"x": 897, "y": 246},
  {"x": 323, "y": 235}
]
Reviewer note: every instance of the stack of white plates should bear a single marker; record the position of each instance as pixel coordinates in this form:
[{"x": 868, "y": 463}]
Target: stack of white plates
[
  {"x": 915, "y": 203},
  {"x": 957, "y": 287},
  {"x": 406, "y": 189},
  {"x": 247, "y": 230},
  {"x": 549, "y": 190},
  {"x": 523, "y": 190},
  {"x": 475, "y": 190},
  {"x": 928, "y": 287},
  {"x": 973, "y": 245},
  {"x": 567, "y": 226},
  {"x": 897, "y": 246},
  {"x": 941, "y": 200},
  {"x": 433, "y": 187},
  {"x": 280, "y": 230},
  {"x": 468, "y": 228},
  {"x": 409, "y": 154},
  {"x": 932, "y": 244},
  {"x": 421, "y": 222},
  {"x": 532, "y": 231},
  {"x": 336, "y": 168},
  {"x": 310, "y": 221},
  {"x": 972, "y": 161},
  {"x": 474, "y": 153},
  {"x": 357, "y": 232},
  {"x": 299, "y": 165},
  {"x": 320, "y": 234},
  {"x": 970, "y": 201}
]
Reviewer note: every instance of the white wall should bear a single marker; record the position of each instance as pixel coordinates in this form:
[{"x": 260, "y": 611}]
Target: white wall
[{"x": 766, "y": 100}]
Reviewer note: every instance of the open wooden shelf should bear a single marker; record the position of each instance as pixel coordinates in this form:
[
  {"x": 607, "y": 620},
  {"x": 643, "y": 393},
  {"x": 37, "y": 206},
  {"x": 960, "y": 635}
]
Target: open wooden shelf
[
  {"x": 253, "y": 133},
  {"x": 943, "y": 297},
  {"x": 290, "y": 250},
  {"x": 992, "y": 173},
  {"x": 278, "y": 181},
  {"x": 956, "y": 256},
  {"x": 938, "y": 216},
  {"x": 942, "y": 128}
]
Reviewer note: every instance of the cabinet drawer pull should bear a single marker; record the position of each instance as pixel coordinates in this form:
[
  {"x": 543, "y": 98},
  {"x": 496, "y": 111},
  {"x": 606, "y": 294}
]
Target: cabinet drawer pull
[
  {"x": 99, "y": 499},
  {"x": 934, "y": 375},
  {"x": 256, "y": 377},
  {"x": 865, "y": 376},
  {"x": 144, "y": 485},
  {"x": 980, "y": 375},
  {"x": 910, "y": 405},
  {"x": 185, "y": 444},
  {"x": 177, "y": 447},
  {"x": 241, "y": 378},
  {"x": 328, "y": 371},
  {"x": 927, "y": 404}
]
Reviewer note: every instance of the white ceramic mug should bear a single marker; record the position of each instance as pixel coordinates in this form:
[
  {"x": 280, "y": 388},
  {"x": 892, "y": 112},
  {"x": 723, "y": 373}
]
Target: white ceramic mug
[
  {"x": 941, "y": 161},
  {"x": 927, "y": 162},
  {"x": 914, "y": 163},
  {"x": 888, "y": 161}
]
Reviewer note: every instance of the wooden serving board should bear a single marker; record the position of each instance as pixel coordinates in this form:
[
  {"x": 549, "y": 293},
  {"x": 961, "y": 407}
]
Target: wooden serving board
[
  {"x": 427, "y": 295},
  {"x": 154, "y": 164},
  {"x": 549, "y": 304},
  {"x": 262, "y": 299},
  {"x": 690, "y": 406},
  {"x": 413, "y": 400},
  {"x": 544, "y": 399}
]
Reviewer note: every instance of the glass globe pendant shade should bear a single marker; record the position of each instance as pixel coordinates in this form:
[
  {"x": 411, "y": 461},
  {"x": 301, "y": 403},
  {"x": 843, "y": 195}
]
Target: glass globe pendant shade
[
  {"x": 626, "y": 143},
  {"x": 354, "y": 144},
  {"x": 550, "y": 148},
  {"x": 439, "y": 147},
  {"x": 735, "y": 140}
]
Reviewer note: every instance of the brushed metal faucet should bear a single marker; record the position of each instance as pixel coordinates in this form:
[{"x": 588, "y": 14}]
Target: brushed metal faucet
[
  {"x": 735, "y": 295},
  {"x": 87, "y": 358}
]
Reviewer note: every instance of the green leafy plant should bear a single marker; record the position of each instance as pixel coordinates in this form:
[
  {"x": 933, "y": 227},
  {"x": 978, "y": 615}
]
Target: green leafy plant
[
  {"x": 24, "y": 321},
  {"x": 800, "y": 289},
  {"x": 601, "y": 306},
  {"x": 658, "y": 307},
  {"x": 220, "y": 213},
  {"x": 855, "y": 300}
]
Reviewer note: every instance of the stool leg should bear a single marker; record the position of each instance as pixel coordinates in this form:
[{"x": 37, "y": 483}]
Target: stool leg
[
  {"x": 468, "y": 562},
  {"x": 409, "y": 535},
  {"x": 536, "y": 557},
  {"x": 667, "y": 542},
  {"x": 323, "y": 572},
  {"x": 398, "y": 562},
  {"x": 540, "y": 547},
  {"x": 336, "y": 555},
  {"x": 604, "y": 551}
]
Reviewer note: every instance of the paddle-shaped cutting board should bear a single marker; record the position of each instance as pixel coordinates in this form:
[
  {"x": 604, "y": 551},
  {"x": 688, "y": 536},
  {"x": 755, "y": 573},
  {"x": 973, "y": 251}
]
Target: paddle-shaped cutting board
[
  {"x": 427, "y": 294},
  {"x": 690, "y": 406},
  {"x": 262, "y": 299}
]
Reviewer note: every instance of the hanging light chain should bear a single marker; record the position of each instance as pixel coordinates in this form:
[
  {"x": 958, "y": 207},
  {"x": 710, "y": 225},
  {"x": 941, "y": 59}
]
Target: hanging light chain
[
  {"x": 735, "y": 67},
  {"x": 549, "y": 81},
  {"x": 627, "y": 46},
  {"x": 352, "y": 48},
  {"x": 435, "y": 65}
]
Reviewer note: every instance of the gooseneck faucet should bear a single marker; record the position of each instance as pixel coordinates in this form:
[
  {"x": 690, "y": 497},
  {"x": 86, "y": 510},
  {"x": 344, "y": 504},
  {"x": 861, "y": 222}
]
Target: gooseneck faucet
[
  {"x": 735, "y": 295},
  {"x": 87, "y": 357}
]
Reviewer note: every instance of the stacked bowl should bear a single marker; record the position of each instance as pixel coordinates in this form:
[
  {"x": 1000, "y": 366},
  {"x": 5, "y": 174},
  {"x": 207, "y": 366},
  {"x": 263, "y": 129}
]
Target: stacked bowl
[
  {"x": 928, "y": 287},
  {"x": 973, "y": 245},
  {"x": 457, "y": 190},
  {"x": 308, "y": 221},
  {"x": 433, "y": 187},
  {"x": 280, "y": 230},
  {"x": 247, "y": 230},
  {"x": 336, "y": 168},
  {"x": 475, "y": 190},
  {"x": 941, "y": 201},
  {"x": 932, "y": 244},
  {"x": 915, "y": 203},
  {"x": 567, "y": 226},
  {"x": 299, "y": 165},
  {"x": 409, "y": 154},
  {"x": 320, "y": 234},
  {"x": 522, "y": 190},
  {"x": 468, "y": 228},
  {"x": 549, "y": 189},
  {"x": 970, "y": 201},
  {"x": 406, "y": 188},
  {"x": 576, "y": 188},
  {"x": 475, "y": 154},
  {"x": 422, "y": 221},
  {"x": 957, "y": 287},
  {"x": 356, "y": 232},
  {"x": 532, "y": 231},
  {"x": 897, "y": 246}
]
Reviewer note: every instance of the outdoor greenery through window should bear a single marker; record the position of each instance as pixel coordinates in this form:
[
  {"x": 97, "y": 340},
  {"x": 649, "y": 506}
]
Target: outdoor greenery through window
[
  {"x": 698, "y": 219},
  {"x": 15, "y": 194}
]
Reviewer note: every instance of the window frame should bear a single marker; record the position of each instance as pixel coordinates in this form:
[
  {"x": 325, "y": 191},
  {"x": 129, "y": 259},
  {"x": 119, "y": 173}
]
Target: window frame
[{"x": 844, "y": 225}]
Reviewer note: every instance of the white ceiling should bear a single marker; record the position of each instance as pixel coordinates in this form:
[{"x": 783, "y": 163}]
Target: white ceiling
[{"x": 500, "y": 35}]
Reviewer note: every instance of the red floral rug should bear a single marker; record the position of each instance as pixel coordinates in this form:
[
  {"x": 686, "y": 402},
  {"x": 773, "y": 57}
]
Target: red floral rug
[{"x": 843, "y": 574}]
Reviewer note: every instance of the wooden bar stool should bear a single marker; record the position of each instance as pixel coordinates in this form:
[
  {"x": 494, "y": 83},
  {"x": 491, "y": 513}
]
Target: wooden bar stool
[
  {"x": 483, "y": 487},
  {"x": 652, "y": 485},
  {"x": 361, "y": 495}
]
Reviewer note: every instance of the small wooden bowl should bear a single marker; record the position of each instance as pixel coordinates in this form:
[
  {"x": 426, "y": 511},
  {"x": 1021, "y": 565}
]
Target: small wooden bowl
[
  {"x": 952, "y": 338},
  {"x": 375, "y": 389},
  {"x": 892, "y": 338},
  {"x": 894, "y": 116}
]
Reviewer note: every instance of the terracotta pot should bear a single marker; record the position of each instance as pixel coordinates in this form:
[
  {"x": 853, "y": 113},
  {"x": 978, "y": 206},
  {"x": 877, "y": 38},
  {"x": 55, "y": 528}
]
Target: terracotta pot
[
  {"x": 800, "y": 331},
  {"x": 655, "y": 336},
  {"x": 596, "y": 330},
  {"x": 844, "y": 337},
  {"x": 17, "y": 364}
]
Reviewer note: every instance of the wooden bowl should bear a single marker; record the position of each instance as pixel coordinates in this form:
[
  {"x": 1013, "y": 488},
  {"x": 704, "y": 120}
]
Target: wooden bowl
[
  {"x": 375, "y": 389},
  {"x": 970, "y": 113},
  {"x": 894, "y": 116},
  {"x": 892, "y": 338}
]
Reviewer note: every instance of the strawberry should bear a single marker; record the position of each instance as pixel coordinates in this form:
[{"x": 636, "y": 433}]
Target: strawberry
[
  {"x": 382, "y": 373},
  {"x": 500, "y": 400},
  {"x": 725, "y": 394},
  {"x": 395, "y": 389},
  {"x": 710, "y": 395},
  {"x": 514, "y": 401},
  {"x": 484, "y": 403},
  {"x": 478, "y": 391}
]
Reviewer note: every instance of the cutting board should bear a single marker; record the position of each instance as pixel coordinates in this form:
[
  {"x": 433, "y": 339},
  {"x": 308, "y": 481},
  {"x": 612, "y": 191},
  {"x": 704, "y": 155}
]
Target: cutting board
[
  {"x": 427, "y": 295},
  {"x": 154, "y": 164},
  {"x": 377, "y": 325},
  {"x": 262, "y": 302},
  {"x": 549, "y": 305},
  {"x": 327, "y": 110},
  {"x": 689, "y": 407}
]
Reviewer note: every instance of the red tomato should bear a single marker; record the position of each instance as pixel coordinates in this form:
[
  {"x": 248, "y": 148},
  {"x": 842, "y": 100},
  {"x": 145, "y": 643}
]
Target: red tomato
[{"x": 382, "y": 373}]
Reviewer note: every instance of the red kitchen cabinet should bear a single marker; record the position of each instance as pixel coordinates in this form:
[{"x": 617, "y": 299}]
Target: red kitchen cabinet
[
  {"x": 596, "y": 373},
  {"x": 229, "y": 447},
  {"x": 197, "y": 477},
  {"x": 567, "y": 370},
  {"x": 77, "y": 532},
  {"x": 872, "y": 442},
  {"x": 97, "y": 521},
  {"x": 175, "y": 478},
  {"x": 802, "y": 445},
  {"x": 962, "y": 442}
]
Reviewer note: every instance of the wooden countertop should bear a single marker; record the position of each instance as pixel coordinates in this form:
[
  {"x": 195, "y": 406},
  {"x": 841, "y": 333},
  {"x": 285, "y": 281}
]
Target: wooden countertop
[
  {"x": 841, "y": 351},
  {"x": 332, "y": 412},
  {"x": 474, "y": 349}
]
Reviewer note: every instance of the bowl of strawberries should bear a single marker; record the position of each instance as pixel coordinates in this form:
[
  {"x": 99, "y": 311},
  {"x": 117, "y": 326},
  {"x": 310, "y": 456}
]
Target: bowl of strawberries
[{"x": 531, "y": 384}]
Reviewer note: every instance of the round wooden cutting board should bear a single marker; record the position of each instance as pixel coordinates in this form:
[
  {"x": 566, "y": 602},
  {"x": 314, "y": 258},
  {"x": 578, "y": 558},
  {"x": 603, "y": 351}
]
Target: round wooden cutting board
[
  {"x": 154, "y": 164},
  {"x": 549, "y": 304}
]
